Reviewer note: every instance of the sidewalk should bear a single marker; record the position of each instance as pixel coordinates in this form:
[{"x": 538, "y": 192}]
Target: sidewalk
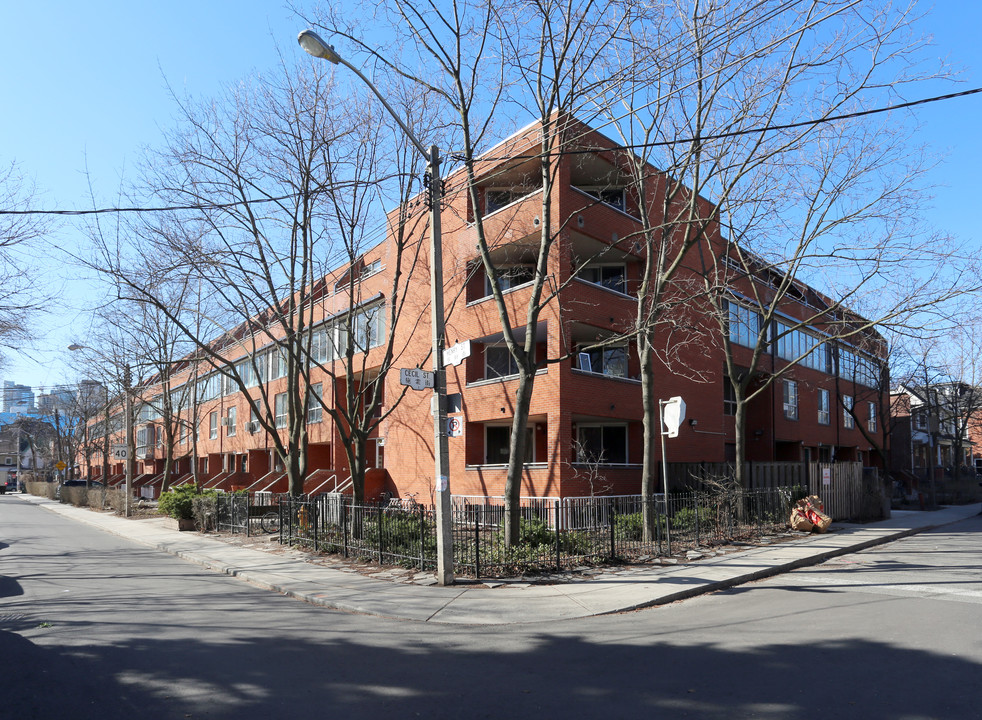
[{"x": 608, "y": 592}]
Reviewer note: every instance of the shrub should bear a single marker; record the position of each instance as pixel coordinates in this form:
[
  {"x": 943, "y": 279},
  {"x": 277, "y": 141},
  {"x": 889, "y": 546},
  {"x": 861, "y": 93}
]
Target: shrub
[
  {"x": 179, "y": 502},
  {"x": 400, "y": 533},
  {"x": 629, "y": 527},
  {"x": 203, "y": 510},
  {"x": 688, "y": 519}
]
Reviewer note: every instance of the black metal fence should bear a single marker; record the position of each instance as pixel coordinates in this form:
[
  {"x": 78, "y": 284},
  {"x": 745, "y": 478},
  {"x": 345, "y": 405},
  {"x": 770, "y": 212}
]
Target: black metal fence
[{"x": 554, "y": 533}]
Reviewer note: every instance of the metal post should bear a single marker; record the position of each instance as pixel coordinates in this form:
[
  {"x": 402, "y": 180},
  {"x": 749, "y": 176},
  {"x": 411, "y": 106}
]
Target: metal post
[
  {"x": 664, "y": 473},
  {"x": 128, "y": 420},
  {"x": 611, "y": 517},
  {"x": 559, "y": 564},
  {"x": 477, "y": 544},
  {"x": 314, "y": 45},
  {"x": 441, "y": 451}
]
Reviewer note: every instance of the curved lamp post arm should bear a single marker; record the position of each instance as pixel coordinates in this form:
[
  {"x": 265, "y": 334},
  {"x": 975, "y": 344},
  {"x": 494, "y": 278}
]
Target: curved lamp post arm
[{"x": 313, "y": 44}]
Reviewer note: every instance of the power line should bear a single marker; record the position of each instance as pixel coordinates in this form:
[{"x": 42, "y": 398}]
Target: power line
[
  {"x": 579, "y": 151},
  {"x": 737, "y": 133}
]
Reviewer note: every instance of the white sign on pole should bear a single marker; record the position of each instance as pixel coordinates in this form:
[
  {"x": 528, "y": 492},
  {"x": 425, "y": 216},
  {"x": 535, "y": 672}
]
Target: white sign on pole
[
  {"x": 456, "y": 354},
  {"x": 416, "y": 379},
  {"x": 120, "y": 452},
  {"x": 673, "y": 415},
  {"x": 455, "y": 427}
]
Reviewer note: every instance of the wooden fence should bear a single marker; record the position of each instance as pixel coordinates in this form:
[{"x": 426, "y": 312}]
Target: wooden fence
[
  {"x": 846, "y": 491},
  {"x": 759, "y": 475}
]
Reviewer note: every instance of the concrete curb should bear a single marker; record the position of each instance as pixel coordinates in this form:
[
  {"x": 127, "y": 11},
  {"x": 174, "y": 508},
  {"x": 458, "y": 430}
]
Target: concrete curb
[{"x": 320, "y": 586}]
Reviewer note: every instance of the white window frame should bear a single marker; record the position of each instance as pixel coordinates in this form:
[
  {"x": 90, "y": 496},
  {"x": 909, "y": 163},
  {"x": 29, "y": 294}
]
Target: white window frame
[
  {"x": 599, "y": 268},
  {"x": 510, "y": 279},
  {"x": 871, "y": 423},
  {"x": 213, "y": 425},
  {"x": 231, "y": 416},
  {"x": 743, "y": 324},
  {"x": 824, "y": 413},
  {"x": 789, "y": 393},
  {"x": 315, "y": 411},
  {"x": 280, "y": 410},
  {"x": 603, "y": 360},
  {"x": 848, "y": 421},
  {"x": 514, "y": 195}
]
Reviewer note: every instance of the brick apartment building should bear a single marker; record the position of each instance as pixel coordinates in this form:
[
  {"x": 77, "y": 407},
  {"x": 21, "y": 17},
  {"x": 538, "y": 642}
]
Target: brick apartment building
[{"x": 827, "y": 408}]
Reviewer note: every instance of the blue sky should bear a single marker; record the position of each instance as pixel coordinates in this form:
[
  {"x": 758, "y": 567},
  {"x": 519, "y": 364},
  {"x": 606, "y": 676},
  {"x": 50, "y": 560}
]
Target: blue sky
[{"x": 85, "y": 85}]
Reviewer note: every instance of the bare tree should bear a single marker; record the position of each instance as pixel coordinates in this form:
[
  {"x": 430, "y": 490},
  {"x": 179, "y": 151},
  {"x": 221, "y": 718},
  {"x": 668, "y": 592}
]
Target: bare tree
[
  {"x": 262, "y": 174},
  {"x": 798, "y": 194},
  {"x": 20, "y": 233},
  {"x": 545, "y": 60}
]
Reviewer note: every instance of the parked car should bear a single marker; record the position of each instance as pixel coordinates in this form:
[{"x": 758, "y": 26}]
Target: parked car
[
  {"x": 77, "y": 482},
  {"x": 81, "y": 483},
  {"x": 11, "y": 484}
]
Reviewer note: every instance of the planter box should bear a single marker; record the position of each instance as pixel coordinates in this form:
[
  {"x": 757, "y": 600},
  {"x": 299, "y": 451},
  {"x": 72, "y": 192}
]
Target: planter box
[{"x": 181, "y": 525}]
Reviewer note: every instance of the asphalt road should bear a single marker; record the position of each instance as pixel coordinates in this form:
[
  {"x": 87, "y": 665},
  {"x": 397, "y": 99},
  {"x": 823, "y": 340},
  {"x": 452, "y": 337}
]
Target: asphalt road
[{"x": 94, "y": 627}]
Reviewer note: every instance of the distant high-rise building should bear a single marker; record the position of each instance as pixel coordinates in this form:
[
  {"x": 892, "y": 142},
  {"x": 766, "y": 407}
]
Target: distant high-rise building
[{"x": 17, "y": 398}]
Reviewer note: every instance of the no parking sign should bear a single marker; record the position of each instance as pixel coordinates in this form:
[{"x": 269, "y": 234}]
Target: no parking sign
[{"x": 455, "y": 427}]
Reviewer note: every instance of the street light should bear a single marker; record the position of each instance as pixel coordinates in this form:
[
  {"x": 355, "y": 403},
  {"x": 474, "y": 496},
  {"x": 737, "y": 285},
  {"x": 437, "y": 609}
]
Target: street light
[
  {"x": 312, "y": 43},
  {"x": 128, "y": 423}
]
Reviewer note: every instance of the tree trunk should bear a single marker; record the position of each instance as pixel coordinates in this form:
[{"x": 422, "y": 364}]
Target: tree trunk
[
  {"x": 516, "y": 456},
  {"x": 652, "y": 433},
  {"x": 740, "y": 437}
]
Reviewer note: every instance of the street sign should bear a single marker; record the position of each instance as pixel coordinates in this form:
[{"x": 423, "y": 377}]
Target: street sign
[
  {"x": 672, "y": 415},
  {"x": 61, "y": 465},
  {"x": 456, "y": 354},
  {"x": 120, "y": 452},
  {"x": 455, "y": 427},
  {"x": 415, "y": 378}
]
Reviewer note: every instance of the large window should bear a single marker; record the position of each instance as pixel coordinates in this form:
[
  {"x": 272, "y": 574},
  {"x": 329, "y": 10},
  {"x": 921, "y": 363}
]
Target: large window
[
  {"x": 498, "y": 362},
  {"x": 368, "y": 328},
  {"x": 209, "y": 387},
  {"x": 602, "y": 444},
  {"x": 278, "y": 363},
  {"x": 848, "y": 421},
  {"x": 247, "y": 373},
  {"x": 612, "y": 277},
  {"x": 608, "y": 195},
  {"x": 280, "y": 410},
  {"x": 497, "y": 198},
  {"x": 858, "y": 368},
  {"x": 744, "y": 325},
  {"x": 322, "y": 345},
  {"x": 315, "y": 411},
  {"x": 790, "y": 396},
  {"x": 610, "y": 361},
  {"x": 824, "y": 416},
  {"x": 511, "y": 277},
  {"x": 231, "y": 418},
  {"x": 795, "y": 344},
  {"x": 496, "y": 441},
  {"x": 254, "y": 425},
  {"x": 729, "y": 397}
]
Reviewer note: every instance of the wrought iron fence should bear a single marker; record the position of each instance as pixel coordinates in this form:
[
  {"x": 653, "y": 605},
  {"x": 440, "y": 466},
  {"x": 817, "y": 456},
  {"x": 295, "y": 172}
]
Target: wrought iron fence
[
  {"x": 553, "y": 533},
  {"x": 394, "y": 534},
  {"x": 232, "y": 513}
]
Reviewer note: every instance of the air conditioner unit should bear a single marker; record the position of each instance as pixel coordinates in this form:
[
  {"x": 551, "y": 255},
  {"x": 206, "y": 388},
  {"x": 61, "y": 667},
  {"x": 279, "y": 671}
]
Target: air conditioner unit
[
  {"x": 252, "y": 426},
  {"x": 224, "y": 422}
]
